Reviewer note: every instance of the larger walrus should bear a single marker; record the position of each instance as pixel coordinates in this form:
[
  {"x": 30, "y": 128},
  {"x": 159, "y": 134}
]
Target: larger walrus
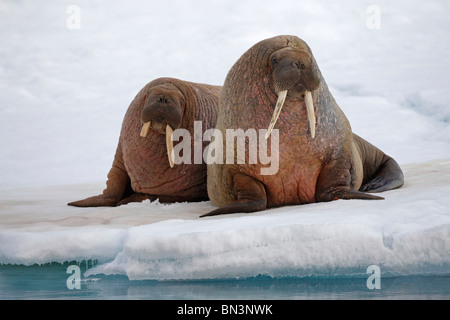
[
  {"x": 277, "y": 84},
  {"x": 143, "y": 166}
]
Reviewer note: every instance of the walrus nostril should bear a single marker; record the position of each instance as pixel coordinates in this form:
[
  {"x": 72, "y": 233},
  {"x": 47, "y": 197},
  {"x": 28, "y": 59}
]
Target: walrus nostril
[{"x": 162, "y": 100}]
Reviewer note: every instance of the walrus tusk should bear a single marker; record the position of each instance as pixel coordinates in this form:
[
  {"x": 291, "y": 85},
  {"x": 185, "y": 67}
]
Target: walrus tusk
[
  {"x": 276, "y": 112},
  {"x": 310, "y": 112},
  {"x": 169, "y": 144},
  {"x": 145, "y": 129}
]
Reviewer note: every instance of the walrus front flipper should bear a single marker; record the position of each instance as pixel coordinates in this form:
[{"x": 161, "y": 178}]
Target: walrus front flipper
[
  {"x": 250, "y": 197},
  {"x": 116, "y": 187},
  {"x": 335, "y": 182}
]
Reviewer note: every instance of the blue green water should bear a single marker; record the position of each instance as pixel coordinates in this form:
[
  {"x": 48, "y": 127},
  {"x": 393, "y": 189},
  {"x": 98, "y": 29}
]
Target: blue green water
[{"x": 50, "y": 282}]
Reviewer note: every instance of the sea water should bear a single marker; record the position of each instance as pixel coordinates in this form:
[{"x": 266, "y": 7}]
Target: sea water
[{"x": 54, "y": 281}]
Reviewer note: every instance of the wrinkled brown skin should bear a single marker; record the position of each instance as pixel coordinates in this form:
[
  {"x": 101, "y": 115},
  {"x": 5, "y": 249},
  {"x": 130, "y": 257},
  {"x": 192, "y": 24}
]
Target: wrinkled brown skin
[
  {"x": 336, "y": 164},
  {"x": 141, "y": 169}
]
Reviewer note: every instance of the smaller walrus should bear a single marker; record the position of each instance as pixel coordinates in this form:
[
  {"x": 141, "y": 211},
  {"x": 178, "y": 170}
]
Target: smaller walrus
[
  {"x": 143, "y": 167},
  {"x": 320, "y": 158}
]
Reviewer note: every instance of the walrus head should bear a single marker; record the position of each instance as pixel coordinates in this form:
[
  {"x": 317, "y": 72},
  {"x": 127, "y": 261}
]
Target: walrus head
[
  {"x": 162, "y": 112},
  {"x": 293, "y": 74}
]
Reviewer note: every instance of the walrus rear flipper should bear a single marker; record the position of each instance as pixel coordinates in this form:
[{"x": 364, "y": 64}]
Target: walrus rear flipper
[
  {"x": 250, "y": 194},
  {"x": 335, "y": 182},
  {"x": 381, "y": 172},
  {"x": 389, "y": 176}
]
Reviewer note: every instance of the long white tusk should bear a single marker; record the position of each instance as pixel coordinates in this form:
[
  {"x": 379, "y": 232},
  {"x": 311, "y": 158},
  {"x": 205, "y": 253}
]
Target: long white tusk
[
  {"x": 276, "y": 112},
  {"x": 145, "y": 129},
  {"x": 169, "y": 144},
  {"x": 310, "y": 112}
]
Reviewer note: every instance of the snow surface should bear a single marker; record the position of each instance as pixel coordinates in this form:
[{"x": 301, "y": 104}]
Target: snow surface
[{"x": 64, "y": 92}]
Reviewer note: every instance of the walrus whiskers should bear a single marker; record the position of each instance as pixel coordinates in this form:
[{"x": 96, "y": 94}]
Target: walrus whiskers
[
  {"x": 276, "y": 111},
  {"x": 169, "y": 144}
]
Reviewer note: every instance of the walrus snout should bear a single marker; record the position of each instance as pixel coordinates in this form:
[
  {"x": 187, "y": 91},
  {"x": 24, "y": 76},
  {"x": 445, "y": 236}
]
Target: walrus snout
[
  {"x": 162, "y": 112},
  {"x": 163, "y": 106},
  {"x": 293, "y": 70},
  {"x": 163, "y": 115},
  {"x": 158, "y": 121},
  {"x": 293, "y": 74}
]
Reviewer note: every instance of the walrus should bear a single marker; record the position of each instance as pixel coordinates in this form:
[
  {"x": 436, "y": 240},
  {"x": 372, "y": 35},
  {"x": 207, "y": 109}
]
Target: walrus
[
  {"x": 277, "y": 84},
  {"x": 143, "y": 166}
]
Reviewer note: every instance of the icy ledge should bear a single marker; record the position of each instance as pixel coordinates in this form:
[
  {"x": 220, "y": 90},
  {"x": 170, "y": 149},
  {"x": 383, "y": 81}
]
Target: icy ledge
[{"x": 408, "y": 233}]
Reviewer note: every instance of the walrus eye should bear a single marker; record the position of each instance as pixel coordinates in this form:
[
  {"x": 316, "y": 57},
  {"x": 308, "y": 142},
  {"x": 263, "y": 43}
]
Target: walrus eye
[
  {"x": 302, "y": 66},
  {"x": 273, "y": 61},
  {"x": 182, "y": 101}
]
